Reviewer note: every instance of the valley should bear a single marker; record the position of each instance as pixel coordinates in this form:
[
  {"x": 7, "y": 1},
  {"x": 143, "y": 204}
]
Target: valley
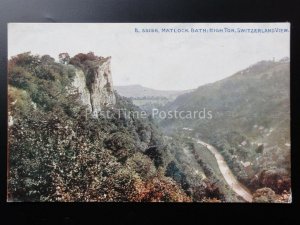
[
  {"x": 249, "y": 127},
  {"x": 62, "y": 147},
  {"x": 231, "y": 180}
]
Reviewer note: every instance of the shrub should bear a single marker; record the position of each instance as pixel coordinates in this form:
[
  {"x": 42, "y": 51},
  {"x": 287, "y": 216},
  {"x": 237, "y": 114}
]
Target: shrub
[
  {"x": 121, "y": 144},
  {"x": 20, "y": 78},
  {"x": 142, "y": 165},
  {"x": 173, "y": 171},
  {"x": 57, "y": 153},
  {"x": 264, "y": 195}
]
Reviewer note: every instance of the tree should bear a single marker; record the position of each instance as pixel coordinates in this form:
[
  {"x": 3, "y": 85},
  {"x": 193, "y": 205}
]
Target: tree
[
  {"x": 64, "y": 58},
  {"x": 47, "y": 59}
]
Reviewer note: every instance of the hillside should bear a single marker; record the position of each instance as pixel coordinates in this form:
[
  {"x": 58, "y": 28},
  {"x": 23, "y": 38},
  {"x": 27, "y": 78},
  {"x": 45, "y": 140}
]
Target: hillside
[
  {"x": 138, "y": 91},
  {"x": 69, "y": 142},
  {"x": 72, "y": 137},
  {"x": 250, "y": 122},
  {"x": 61, "y": 151},
  {"x": 147, "y": 98}
]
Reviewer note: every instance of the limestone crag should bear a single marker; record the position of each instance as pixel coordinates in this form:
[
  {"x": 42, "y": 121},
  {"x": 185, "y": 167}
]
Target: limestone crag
[
  {"x": 95, "y": 86},
  {"x": 80, "y": 84}
]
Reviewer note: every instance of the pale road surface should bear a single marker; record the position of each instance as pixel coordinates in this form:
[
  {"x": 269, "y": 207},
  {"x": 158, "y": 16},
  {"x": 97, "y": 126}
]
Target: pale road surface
[{"x": 236, "y": 186}]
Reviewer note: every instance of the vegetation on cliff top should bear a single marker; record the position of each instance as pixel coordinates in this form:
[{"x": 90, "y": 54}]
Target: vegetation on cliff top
[{"x": 58, "y": 152}]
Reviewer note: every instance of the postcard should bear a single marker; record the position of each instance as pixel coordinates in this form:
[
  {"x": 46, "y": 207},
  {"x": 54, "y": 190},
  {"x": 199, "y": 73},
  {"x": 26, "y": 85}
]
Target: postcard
[{"x": 149, "y": 112}]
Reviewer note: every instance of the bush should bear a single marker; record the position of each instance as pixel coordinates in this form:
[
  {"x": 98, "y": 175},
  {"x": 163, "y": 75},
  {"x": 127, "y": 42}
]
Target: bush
[
  {"x": 142, "y": 165},
  {"x": 264, "y": 195},
  {"x": 20, "y": 78},
  {"x": 19, "y": 102},
  {"x": 164, "y": 189},
  {"x": 57, "y": 153},
  {"x": 121, "y": 144},
  {"x": 277, "y": 180},
  {"x": 173, "y": 171}
]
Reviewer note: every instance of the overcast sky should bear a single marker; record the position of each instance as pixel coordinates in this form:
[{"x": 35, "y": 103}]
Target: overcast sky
[{"x": 166, "y": 61}]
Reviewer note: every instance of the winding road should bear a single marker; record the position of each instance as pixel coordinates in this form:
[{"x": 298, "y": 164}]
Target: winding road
[{"x": 236, "y": 186}]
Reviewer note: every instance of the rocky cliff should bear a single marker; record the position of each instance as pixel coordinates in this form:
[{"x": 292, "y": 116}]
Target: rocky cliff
[
  {"x": 55, "y": 155},
  {"x": 95, "y": 85}
]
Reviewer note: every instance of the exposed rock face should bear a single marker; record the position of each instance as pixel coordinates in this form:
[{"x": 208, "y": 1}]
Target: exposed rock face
[
  {"x": 96, "y": 86},
  {"x": 80, "y": 83}
]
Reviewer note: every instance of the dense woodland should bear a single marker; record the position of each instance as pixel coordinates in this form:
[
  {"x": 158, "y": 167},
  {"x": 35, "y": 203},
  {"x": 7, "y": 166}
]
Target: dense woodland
[{"x": 58, "y": 152}]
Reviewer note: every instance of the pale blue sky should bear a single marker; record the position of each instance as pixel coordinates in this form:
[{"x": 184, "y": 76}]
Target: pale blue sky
[{"x": 166, "y": 61}]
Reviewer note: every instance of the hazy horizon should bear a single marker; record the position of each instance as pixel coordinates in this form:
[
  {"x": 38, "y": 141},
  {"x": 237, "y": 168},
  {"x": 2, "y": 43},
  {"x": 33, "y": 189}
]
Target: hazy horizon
[{"x": 161, "y": 61}]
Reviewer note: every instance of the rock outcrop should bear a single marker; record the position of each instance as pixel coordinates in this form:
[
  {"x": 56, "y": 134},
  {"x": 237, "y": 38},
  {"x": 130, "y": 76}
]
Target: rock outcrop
[
  {"x": 80, "y": 84},
  {"x": 95, "y": 86}
]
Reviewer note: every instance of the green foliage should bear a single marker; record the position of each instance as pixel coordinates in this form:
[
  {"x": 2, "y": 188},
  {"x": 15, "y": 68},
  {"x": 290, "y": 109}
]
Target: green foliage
[
  {"x": 173, "y": 171},
  {"x": 264, "y": 195},
  {"x": 251, "y": 119},
  {"x": 64, "y": 58},
  {"x": 142, "y": 165},
  {"x": 43, "y": 79},
  {"x": 19, "y": 101},
  {"x": 121, "y": 144},
  {"x": 59, "y": 153},
  {"x": 44, "y": 73},
  {"x": 20, "y": 78}
]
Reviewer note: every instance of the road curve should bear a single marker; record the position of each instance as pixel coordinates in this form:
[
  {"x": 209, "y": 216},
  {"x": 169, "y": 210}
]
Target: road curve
[{"x": 236, "y": 186}]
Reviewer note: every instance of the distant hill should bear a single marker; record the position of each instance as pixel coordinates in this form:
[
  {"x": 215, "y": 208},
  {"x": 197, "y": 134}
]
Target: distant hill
[
  {"x": 138, "y": 91},
  {"x": 251, "y": 120},
  {"x": 260, "y": 94}
]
